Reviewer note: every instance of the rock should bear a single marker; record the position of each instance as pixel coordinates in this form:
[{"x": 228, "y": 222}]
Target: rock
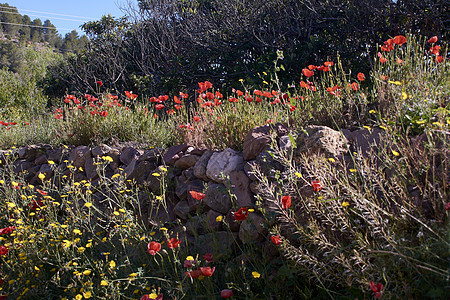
[
  {"x": 40, "y": 160},
  {"x": 91, "y": 169},
  {"x": 21, "y": 165},
  {"x": 31, "y": 152},
  {"x": 182, "y": 210},
  {"x": 211, "y": 223},
  {"x": 321, "y": 140},
  {"x": 222, "y": 163},
  {"x": 171, "y": 154},
  {"x": 139, "y": 171},
  {"x": 186, "y": 161},
  {"x": 181, "y": 188},
  {"x": 239, "y": 185},
  {"x": 201, "y": 164},
  {"x": 101, "y": 150},
  {"x": 56, "y": 155},
  {"x": 285, "y": 145},
  {"x": 268, "y": 165},
  {"x": 366, "y": 141},
  {"x": 196, "y": 225},
  {"x": 260, "y": 138},
  {"x": 253, "y": 228},
  {"x": 153, "y": 155},
  {"x": 79, "y": 156},
  {"x": 47, "y": 170},
  {"x": 197, "y": 186},
  {"x": 158, "y": 214},
  {"x": 217, "y": 198},
  {"x": 129, "y": 154},
  {"x": 248, "y": 169}
]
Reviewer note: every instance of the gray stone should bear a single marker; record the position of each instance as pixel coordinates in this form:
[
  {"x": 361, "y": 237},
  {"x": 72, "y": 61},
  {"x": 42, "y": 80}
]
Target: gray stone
[
  {"x": 217, "y": 197},
  {"x": 248, "y": 169},
  {"x": 139, "y": 171},
  {"x": 31, "y": 152},
  {"x": 182, "y": 210},
  {"x": 152, "y": 155},
  {"x": 91, "y": 169},
  {"x": 366, "y": 141},
  {"x": 186, "y": 161},
  {"x": 56, "y": 155},
  {"x": 201, "y": 164},
  {"x": 172, "y": 154},
  {"x": 259, "y": 139},
  {"x": 239, "y": 185},
  {"x": 101, "y": 150},
  {"x": 321, "y": 140},
  {"x": 253, "y": 228},
  {"x": 221, "y": 164},
  {"x": 79, "y": 156},
  {"x": 129, "y": 154}
]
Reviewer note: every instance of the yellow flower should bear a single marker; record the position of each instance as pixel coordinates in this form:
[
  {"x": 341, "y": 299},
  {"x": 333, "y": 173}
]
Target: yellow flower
[
  {"x": 87, "y": 295},
  {"x": 152, "y": 233},
  {"x": 395, "y": 153},
  {"x": 298, "y": 174},
  {"x": 88, "y": 204},
  {"x": 81, "y": 169},
  {"x": 219, "y": 218},
  {"x": 189, "y": 258},
  {"x": 163, "y": 169},
  {"x": 122, "y": 210},
  {"x": 156, "y": 174},
  {"x": 2, "y": 181},
  {"x": 66, "y": 243},
  {"x": 352, "y": 170},
  {"x": 345, "y": 204},
  {"x": 51, "y": 162},
  {"x": 421, "y": 122},
  {"x": 395, "y": 82},
  {"x": 372, "y": 111},
  {"x": 88, "y": 245},
  {"x": 103, "y": 283},
  {"x": 265, "y": 82},
  {"x": 133, "y": 275},
  {"x": 10, "y": 204},
  {"x": 112, "y": 264},
  {"x": 115, "y": 176},
  {"x": 107, "y": 158},
  {"x": 153, "y": 296},
  {"x": 87, "y": 272},
  {"x": 116, "y": 213},
  {"x": 256, "y": 274},
  {"x": 36, "y": 268},
  {"x": 404, "y": 95},
  {"x": 78, "y": 297},
  {"x": 41, "y": 176},
  {"x": 77, "y": 231},
  {"x": 383, "y": 127},
  {"x": 251, "y": 210},
  {"x": 331, "y": 160},
  {"x": 163, "y": 229},
  {"x": 81, "y": 249}
]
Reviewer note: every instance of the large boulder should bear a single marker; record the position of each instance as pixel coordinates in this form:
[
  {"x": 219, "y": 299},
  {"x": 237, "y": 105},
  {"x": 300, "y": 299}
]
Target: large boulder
[
  {"x": 321, "y": 140},
  {"x": 129, "y": 154},
  {"x": 201, "y": 165},
  {"x": 186, "y": 161},
  {"x": 253, "y": 228},
  {"x": 260, "y": 138},
  {"x": 221, "y": 164},
  {"x": 217, "y": 197},
  {"x": 239, "y": 185}
]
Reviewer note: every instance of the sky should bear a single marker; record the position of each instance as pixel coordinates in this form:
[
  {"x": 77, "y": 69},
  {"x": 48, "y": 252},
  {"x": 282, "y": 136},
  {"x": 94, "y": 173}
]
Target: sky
[{"x": 68, "y": 15}]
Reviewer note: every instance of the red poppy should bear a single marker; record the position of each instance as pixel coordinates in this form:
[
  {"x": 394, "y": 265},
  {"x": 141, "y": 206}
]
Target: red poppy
[
  {"x": 99, "y": 83},
  {"x": 178, "y": 107},
  {"x": 26, "y": 123},
  {"x": 355, "y": 86},
  {"x": 276, "y": 101},
  {"x": 159, "y": 106},
  {"x": 226, "y": 293},
  {"x": 241, "y": 214},
  {"x": 312, "y": 67},
  {"x": 196, "y": 118},
  {"x": 376, "y": 289},
  {"x": 307, "y": 72},
  {"x": 233, "y": 99},
  {"x": 3, "y": 250},
  {"x": 292, "y": 108},
  {"x": 176, "y": 100},
  {"x": 193, "y": 274},
  {"x": 317, "y": 185},
  {"x": 323, "y": 68},
  {"x": 104, "y": 113},
  {"x": 41, "y": 192},
  {"x": 153, "y": 247},
  {"x": 207, "y": 271},
  {"x": 361, "y": 76},
  {"x": 383, "y": 60},
  {"x": 35, "y": 204},
  {"x": 399, "y": 61},
  {"x": 218, "y": 94},
  {"x": 328, "y": 64},
  {"x": 435, "y": 50},
  {"x": 399, "y": 40},
  {"x": 286, "y": 202},
  {"x": 433, "y": 40},
  {"x": 130, "y": 95},
  {"x": 276, "y": 239},
  {"x": 197, "y": 196},
  {"x": 173, "y": 243},
  {"x": 258, "y": 100},
  {"x": 208, "y": 257},
  {"x": 258, "y": 92},
  {"x": 170, "y": 112},
  {"x": 7, "y": 230},
  {"x": 204, "y": 85},
  {"x": 439, "y": 59},
  {"x": 58, "y": 116},
  {"x": 209, "y": 95}
]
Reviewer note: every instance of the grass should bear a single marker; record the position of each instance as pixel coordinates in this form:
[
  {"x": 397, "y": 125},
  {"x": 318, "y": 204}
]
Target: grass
[{"x": 377, "y": 226}]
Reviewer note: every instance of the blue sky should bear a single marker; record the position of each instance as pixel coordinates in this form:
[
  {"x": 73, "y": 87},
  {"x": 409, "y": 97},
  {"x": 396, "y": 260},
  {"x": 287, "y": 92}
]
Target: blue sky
[{"x": 75, "y": 13}]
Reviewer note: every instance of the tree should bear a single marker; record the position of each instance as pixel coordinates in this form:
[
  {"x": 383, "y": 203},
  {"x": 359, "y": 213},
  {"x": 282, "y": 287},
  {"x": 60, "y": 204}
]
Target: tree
[{"x": 37, "y": 32}]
